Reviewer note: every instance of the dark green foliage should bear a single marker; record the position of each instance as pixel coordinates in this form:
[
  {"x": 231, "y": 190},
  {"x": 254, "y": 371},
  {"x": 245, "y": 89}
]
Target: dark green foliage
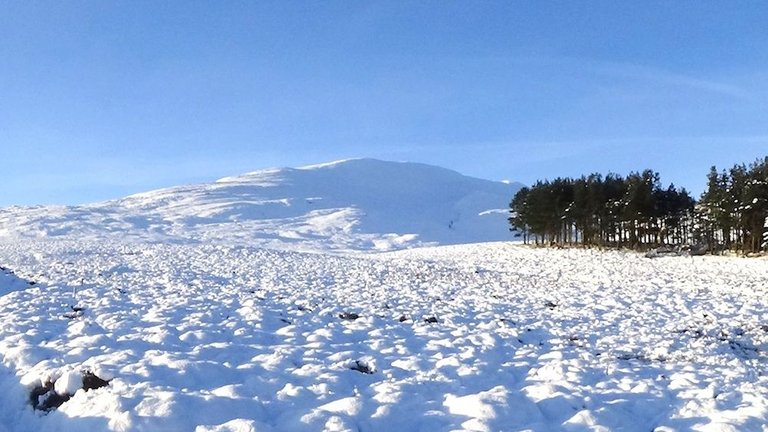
[
  {"x": 733, "y": 211},
  {"x": 637, "y": 212},
  {"x": 595, "y": 210}
]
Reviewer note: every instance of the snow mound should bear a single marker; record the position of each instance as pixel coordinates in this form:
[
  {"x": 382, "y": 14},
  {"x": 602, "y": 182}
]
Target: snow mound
[{"x": 356, "y": 204}]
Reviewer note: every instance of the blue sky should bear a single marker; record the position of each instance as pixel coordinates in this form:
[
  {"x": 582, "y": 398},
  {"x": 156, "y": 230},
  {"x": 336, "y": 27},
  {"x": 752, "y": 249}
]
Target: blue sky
[{"x": 101, "y": 99}]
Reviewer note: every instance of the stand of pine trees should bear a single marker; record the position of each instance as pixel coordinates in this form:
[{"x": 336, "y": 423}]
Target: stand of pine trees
[
  {"x": 636, "y": 212},
  {"x": 733, "y": 211}
]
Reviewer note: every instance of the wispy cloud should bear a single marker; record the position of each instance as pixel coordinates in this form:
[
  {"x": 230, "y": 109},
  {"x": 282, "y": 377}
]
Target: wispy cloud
[
  {"x": 544, "y": 150},
  {"x": 664, "y": 77},
  {"x": 641, "y": 73}
]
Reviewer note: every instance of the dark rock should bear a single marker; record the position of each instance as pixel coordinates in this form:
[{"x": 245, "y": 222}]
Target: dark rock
[
  {"x": 632, "y": 356},
  {"x": 349, "y": 316},
  {"x": 52, "y": 400},
  {"x": 92, "y": 382},
  {"x": 44, "y": 398},
  {"x": 361, "y": 367},
  {"x": 34, "y": 396}
]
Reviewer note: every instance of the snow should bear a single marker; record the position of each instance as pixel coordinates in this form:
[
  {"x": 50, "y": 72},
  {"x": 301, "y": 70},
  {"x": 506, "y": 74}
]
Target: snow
[
  {"x": 350, "y": 205},
  {"x": 200, "y": 322},
  {"x": 216, "y": 337},
  {"x": 69, "y": 382}
]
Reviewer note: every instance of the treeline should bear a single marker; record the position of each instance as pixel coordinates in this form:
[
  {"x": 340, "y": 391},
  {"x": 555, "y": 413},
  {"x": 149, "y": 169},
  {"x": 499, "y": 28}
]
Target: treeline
[
  {"x": 607, "y": 211},
  {"x": 637, "y": 212},
  {"x": 733, "y": 211}
]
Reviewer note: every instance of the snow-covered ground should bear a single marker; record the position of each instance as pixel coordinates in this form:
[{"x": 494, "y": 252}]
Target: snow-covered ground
[
  {"x": 264, "y": 302},
  {"x": 216, "y": 337},
  {"x": 349, "y": 205}
]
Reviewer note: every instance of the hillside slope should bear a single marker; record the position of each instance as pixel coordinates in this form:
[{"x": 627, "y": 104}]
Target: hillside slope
[{"x": 356, "y": 204}]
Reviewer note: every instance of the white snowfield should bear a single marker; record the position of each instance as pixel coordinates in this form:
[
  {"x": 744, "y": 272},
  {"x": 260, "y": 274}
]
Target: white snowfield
[
  {"x": 195, "y": 329},
  {"x": 221, "y": 338},
  {"x": 350, "y": 205}
]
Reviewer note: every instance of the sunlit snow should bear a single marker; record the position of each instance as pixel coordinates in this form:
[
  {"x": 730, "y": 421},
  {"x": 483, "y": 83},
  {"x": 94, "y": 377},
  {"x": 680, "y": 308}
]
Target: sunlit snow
[
  {"x": 356, "y": 204},
  {"x": 195, "y": 329}
]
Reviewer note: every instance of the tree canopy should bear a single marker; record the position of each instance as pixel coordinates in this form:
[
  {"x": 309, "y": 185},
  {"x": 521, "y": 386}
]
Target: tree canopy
[
  {"x": 636, "y": 211},
  {"x": 595, "y": 210}
]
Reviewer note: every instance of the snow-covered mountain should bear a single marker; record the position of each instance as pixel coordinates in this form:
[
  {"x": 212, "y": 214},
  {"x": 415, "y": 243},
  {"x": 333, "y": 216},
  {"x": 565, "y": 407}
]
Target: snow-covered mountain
[
  {"x": 354, "y": 204},
  {"x": 162, "y": 311}
]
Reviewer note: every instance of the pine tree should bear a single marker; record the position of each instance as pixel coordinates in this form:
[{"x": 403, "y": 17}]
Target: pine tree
[
  {"x": 637, "y": 212},
  {"x": 519, "y": 213}
]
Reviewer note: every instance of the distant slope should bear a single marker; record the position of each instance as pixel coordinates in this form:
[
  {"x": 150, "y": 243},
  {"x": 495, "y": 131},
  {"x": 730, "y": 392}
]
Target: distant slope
[{"x": 356, "y": 204}]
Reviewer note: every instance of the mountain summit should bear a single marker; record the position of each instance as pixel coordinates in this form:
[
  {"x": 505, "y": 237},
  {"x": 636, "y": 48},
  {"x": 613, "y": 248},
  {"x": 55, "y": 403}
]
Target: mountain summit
[{"x": 355, "y": 204}]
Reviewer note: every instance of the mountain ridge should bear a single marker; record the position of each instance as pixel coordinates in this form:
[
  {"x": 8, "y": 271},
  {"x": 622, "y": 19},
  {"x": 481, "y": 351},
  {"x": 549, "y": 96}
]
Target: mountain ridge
[{"x": 352, "y": 204}]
